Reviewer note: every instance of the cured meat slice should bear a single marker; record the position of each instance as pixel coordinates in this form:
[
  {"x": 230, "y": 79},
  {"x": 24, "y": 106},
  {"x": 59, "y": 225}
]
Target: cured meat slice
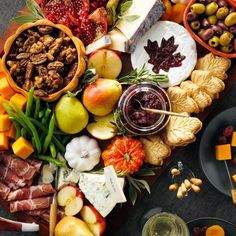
[
  {"x": 35, "y": 163},
  {"x": 31, "y": 192},
  {"x": 4, "y": 191},
  {"x": 9, "y": 178},
  {"x": 30, "y": 204},
  {"x": 20, "y": 167}
]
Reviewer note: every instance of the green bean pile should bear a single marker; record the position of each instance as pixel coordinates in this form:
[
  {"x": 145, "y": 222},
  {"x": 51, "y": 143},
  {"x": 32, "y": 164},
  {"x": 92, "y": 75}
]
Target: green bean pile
[{"x": 38, "y": 125}]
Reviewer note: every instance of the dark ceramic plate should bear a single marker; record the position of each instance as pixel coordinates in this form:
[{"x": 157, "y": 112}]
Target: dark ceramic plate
[
  {"x": 214, "y": 170},
  {"x": 230, "y": 229}
]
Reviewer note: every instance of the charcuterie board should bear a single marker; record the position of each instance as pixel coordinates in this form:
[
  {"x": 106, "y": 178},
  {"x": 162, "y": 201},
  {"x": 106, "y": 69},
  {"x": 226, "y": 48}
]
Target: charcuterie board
[{"x": 118, "y": 215}]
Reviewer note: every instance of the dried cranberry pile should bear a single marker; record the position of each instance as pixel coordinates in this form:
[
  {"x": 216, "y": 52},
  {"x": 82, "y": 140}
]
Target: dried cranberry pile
[
  {"x": 163, "y": 56},
  {"x": 86, "y": 18},
  {"x": 140, "y": 117}
]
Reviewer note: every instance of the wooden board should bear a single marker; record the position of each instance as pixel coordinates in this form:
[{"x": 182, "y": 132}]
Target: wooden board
[{"x": 119, "y": 215}]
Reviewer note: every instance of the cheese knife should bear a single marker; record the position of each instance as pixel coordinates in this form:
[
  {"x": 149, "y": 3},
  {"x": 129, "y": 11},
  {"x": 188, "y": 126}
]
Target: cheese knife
[
  {"x": 233, "y": 190},
  {"x": 53, "y": 208}
]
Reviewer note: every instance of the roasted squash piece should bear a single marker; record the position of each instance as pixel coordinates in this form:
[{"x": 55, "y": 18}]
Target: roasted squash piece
[
  {"x": 223, "y": 152},
  {"x": 22, "y": 148},
  {"x": 215, "y": 230},
  {"x": 4, "y": 141}
]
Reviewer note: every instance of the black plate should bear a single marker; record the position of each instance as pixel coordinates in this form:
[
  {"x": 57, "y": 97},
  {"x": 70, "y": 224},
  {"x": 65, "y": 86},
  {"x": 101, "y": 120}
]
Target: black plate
[
  {"x": 229, "y": 228},
  {"x": 214, "y": 170}
]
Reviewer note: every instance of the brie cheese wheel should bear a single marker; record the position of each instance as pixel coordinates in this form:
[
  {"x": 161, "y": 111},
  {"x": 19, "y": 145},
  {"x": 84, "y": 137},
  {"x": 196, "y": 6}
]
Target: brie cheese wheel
[
  {"x": 186, "y": 46},
  {"x": 97, "y": 193}
]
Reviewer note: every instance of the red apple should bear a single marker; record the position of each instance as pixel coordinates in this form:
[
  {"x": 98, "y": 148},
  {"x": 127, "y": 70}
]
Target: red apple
[
  {"x": 106, "y": 62},
  {"x": 93, "y": 218},
  {"x": 71, "y": 198},
  {"x": 101, "y": 96}
]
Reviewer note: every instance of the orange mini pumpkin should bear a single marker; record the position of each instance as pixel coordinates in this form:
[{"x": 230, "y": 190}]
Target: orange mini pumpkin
[
  {"x": 125, "y": 154},
  {"x": 80, "y": 52}
]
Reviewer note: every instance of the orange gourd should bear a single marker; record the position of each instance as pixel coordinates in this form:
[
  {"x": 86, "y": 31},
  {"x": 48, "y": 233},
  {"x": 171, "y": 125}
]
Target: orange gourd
[
  {"x": 125, "y": 154},
  {"x": 80, "y": 50},
  {"x": 215, "y": 230}
]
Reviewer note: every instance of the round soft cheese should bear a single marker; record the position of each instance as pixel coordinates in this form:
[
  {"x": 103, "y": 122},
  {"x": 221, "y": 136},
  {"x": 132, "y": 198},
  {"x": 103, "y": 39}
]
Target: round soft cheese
[{"x": 186, "y": 46}]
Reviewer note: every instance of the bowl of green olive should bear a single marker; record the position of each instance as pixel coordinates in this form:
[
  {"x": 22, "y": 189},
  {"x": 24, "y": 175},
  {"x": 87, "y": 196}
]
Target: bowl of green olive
[{"x": 212, "y": 23}]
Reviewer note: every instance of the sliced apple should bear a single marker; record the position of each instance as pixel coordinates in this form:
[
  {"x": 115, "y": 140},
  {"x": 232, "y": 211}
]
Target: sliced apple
[
  {"x": 71, "y": 198},
  {"x": 93, "y": 218},
  {"x": 106, "y": 62},
  {"x": 102, "y": 128}
]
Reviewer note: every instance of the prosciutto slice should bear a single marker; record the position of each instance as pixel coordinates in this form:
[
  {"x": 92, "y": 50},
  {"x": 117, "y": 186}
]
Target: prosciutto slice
[
  {"x": 31, "y": 192},
  {"x": 4, "y": 191},
  {"x": 30, "y": 204},
  {"x": 35, "y": 163},
  {"x": 21, "y": 168},
  {"x": 9, "y": 178}
]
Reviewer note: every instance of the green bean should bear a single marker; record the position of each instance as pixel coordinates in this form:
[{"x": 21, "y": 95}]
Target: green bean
[
  {"x": 54, "y": 139},
  {"x": 50, "y": 133},
  {"x": 52, "y": 160},
  {"x": 41, "y": 113},
  {"x": 33, "y": 142},
  {"x": 37, "y": 108},
  {"x": 17, "y": 127},
  {"x": 24, "y": 132},
  {"x": 46, "y": 116},
  {"x": 15, "y": 117},
  {"x": 31, "y": 127},
  {"x": 29, "y": 102},
  {"x": 53, "y": 150}
]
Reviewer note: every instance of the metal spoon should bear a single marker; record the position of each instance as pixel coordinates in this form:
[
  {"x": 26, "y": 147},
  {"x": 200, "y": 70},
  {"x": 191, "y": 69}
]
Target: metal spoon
[{"x": 170, "y": 113}]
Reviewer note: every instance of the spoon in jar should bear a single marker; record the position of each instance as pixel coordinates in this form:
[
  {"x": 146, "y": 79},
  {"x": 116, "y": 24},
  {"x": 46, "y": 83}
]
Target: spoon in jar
[{"x": 138, "y": 104}]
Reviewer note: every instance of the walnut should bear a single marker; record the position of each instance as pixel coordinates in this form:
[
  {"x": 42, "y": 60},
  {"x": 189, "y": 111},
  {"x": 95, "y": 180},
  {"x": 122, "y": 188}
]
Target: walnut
[
  {"x": 42, "y": 70},
  {"x": 54, "y": 81},
  {"x": 45, "y": 29},
  {"x": 40, "y": 93},
  {"x": 38, "y": 81},
  {"x": 72, "y": 70},
  {"x": 28, "y": 43},
  {"x": 69, "y": 53},
  {"x": 38, "y": 59},
  {"x": 55, "y": 46},
  {"x": 56, "y": 65},
  {"x": 47, "y": 40},
  {"x": 15, "y": 67},
  {"x": 23, "y": 55},
  {"x": 28, "y": 84},
  {"x": 29, "y": 71},
  {"x": 37, "y": 47}
]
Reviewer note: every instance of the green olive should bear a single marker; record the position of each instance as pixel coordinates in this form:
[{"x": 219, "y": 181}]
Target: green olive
[
  {"x": 226, "y": 38},
  {"x": 222, "y": 13},
  {"x": 195, "y": 25},
  {"x": 212, "y": 19},
  {"x": 200, "y": 32},
  {"x": 230, "y": 19},
  {"x": 198, "y": 8},
  {"x": 214, "y": 41},
  {"x": 229, "y": 48},
  {"x": 211, "y": 8}
]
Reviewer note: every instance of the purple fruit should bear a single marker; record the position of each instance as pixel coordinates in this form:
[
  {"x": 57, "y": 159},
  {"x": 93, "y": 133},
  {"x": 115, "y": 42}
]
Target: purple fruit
[
  {"x": 205, "y": 23},
  {"x": 228, "y": 131},
  {"x": 217, "y": 29},
  {"x": 222, "y": 3}
]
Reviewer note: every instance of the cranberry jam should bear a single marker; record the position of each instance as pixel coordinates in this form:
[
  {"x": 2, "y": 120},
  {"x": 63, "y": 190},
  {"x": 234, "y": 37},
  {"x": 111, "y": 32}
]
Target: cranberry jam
[{"x": 137, "y": 121}]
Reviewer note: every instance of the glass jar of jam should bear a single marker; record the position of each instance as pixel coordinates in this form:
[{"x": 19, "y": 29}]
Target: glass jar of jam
[{"x": 137, "y": 121}]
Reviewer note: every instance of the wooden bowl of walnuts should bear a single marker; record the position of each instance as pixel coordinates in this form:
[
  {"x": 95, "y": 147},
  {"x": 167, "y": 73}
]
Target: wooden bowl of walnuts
[{"x": 45, "y": 56}]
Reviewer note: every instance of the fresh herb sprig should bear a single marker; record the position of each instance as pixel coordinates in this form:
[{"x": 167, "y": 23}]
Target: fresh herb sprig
[
  {"x": 138, "y": 76},
  {"x": 35, "y": 13},
  {"x": 116, "y": 121}
]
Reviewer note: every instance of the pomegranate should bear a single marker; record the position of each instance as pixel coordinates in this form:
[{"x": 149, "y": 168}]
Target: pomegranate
[{"x": 86, "y": 18}]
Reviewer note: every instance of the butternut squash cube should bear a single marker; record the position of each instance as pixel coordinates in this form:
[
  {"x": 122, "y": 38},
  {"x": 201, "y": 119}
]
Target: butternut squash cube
[
  {"x": 5, "y": 123},
  {"x": 4, "y": 141},
  {"x": 223, "y": 152},
  {"x": 234, "y": 178},
  {"x": 22, "y": 148},
  {"x": 233, "y": 140},
  {"x": 2, "y": 100},
  {"x": 5, "y": 89},
  {"x": 18, "y": 100},
  {"x": 11, "y": 133}
]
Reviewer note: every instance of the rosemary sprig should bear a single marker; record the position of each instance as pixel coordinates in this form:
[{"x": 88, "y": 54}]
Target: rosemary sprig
[
  {"x": 35, "y": 13},
  {"x": 136, "y": 77},
  {"x": 116, "y": 118}
]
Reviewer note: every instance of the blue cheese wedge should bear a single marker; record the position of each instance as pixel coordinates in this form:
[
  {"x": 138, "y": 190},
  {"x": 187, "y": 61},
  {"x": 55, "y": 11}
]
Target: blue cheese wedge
[
  {"x": 186, "y": 46},
  {"x": 130, "y": 32},
  {"x": 96, "y": 191}
]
